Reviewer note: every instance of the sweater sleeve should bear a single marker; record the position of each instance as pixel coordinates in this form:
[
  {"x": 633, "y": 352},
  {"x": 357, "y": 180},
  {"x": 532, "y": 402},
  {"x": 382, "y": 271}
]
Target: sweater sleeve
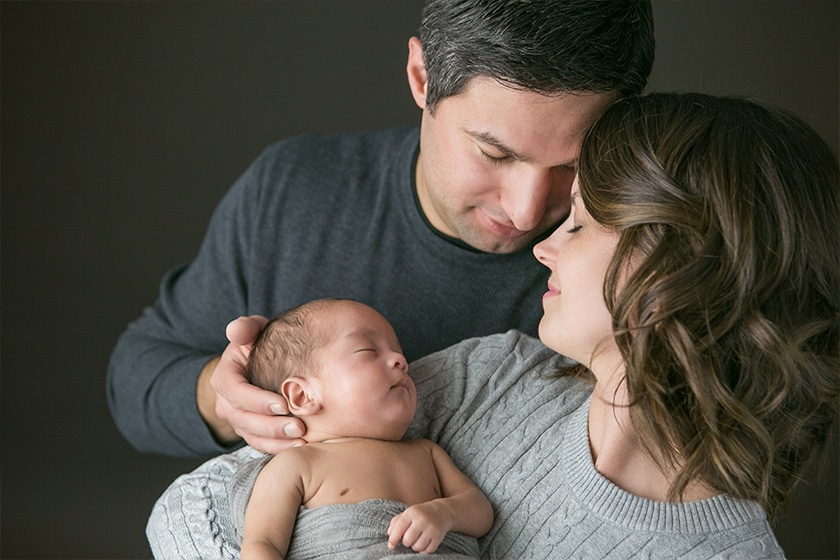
[
  {"x": 464, "y": 384},
  {"x": 154, "y": 367}
]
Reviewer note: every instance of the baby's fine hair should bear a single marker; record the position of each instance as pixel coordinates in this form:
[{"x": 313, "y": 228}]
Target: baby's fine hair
[{"x": 288, "y": 344}]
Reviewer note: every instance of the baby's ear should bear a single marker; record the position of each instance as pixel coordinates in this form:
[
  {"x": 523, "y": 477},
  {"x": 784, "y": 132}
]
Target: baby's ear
[{"x": 299, "y": 393}]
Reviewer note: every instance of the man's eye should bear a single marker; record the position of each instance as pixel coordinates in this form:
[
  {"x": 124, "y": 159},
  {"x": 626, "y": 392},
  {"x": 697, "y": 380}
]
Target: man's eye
[{"x": 492, "y": 159}]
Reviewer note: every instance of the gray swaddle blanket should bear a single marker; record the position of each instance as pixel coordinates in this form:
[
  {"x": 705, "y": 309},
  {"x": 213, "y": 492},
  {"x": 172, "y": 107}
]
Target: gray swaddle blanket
[
  {"x": 333, "y": 532},
  {"x": 359, "y": 531}
]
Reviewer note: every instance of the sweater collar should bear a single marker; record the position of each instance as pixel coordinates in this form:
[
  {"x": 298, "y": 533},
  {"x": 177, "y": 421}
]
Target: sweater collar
[{"x": 611, "y": 503}]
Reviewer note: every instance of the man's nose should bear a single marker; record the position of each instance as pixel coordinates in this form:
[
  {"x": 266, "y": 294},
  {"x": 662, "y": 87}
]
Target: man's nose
[{"x": 526, "y": 197}]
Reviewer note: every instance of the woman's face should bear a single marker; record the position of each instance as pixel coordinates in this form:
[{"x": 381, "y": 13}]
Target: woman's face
[{"x": 575, "y": 321}]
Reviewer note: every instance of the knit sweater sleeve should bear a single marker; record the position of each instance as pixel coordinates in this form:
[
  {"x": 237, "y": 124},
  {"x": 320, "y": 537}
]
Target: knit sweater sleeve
[
  {"x": 154, "y": 367},
  {"x": 315, "y": 216}
]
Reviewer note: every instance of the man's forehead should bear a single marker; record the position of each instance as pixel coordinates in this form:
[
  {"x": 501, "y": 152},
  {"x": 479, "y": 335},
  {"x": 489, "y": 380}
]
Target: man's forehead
[{"x": 523, "y": 123}]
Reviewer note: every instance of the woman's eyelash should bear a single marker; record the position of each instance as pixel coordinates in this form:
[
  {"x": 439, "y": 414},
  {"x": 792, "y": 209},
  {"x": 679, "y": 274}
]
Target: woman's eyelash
[{"x": 575, "y": 229}]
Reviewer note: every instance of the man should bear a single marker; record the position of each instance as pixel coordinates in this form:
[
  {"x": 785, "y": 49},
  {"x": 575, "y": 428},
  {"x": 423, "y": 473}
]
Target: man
[{"x": 434, "y": 227}]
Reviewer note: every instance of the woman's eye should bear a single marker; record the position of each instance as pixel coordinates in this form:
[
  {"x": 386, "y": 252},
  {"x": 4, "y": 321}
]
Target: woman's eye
[{"x": 575, "y": 229}]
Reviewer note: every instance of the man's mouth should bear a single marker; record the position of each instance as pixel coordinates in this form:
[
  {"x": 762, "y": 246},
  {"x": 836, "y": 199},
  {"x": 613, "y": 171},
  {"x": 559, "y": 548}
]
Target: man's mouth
[{"x": 498, "y": 228}]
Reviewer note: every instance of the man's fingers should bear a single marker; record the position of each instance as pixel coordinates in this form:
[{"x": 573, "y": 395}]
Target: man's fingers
[
  {"x": 256, "y": 415},
  {"x": 245, "y": 330},
  {"x": 241, "y": 395},
  {"x": 273, "y": 446},
  {"x": 249, "y": 425}
]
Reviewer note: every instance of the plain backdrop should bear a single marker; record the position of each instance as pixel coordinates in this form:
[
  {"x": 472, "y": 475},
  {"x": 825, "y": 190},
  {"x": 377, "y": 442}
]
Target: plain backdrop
[{"x": 123, "y": 123}]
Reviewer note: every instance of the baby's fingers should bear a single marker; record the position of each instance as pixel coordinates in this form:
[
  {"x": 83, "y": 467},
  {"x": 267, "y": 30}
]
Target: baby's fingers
[{"x": 396, "y": 529}]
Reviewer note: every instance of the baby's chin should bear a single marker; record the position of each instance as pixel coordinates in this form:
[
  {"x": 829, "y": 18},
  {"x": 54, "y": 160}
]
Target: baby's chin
[{"x": 397, "y": 434}]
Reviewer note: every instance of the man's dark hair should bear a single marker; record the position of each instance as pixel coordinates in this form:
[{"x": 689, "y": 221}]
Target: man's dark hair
[{"x": 546, "y": 46}]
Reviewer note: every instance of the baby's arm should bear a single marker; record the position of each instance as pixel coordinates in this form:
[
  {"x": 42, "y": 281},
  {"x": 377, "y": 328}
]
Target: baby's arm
[
  {"x": 462, "y": 508},
  {"x": 272, "y": 509}
]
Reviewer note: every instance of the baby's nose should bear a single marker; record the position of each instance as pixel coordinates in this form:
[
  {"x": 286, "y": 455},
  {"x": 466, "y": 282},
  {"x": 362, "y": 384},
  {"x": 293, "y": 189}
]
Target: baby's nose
[{"x": 398, "y": 361}]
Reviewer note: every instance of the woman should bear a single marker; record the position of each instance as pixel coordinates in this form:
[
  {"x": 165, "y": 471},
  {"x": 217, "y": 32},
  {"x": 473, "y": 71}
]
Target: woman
[
  {"x": 695, "y": 284},
  {"x": 714, "y": 341}
]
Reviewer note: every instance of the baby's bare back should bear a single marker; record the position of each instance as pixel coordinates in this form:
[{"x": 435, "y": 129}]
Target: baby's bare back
[{"x": 350, "y": 472}]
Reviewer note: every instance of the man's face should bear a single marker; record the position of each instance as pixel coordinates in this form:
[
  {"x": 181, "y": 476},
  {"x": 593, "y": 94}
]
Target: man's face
[{"x": 496, "y": 164}]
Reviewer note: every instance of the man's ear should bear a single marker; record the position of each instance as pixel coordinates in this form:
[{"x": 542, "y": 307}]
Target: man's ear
[
  {"x": 300, "y": 395},
  {"x": 416, "y": 70}
]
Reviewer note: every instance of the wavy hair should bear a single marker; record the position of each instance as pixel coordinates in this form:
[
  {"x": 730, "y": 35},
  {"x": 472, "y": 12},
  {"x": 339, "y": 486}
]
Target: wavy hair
[{"x": 729, "y": 320}]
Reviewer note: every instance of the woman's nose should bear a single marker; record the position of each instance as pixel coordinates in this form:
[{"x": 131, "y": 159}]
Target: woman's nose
[{"x": 545, "y": 251}]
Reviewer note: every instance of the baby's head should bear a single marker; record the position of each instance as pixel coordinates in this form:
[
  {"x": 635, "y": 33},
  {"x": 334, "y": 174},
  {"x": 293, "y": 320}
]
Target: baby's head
[
  {"x": 288, "y": 345},
  {"x": 339, "y": 365}
]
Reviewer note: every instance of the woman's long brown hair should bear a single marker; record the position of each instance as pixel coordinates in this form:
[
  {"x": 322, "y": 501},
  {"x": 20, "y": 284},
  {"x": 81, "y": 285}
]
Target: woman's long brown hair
[{"x": 729, "y": 323}]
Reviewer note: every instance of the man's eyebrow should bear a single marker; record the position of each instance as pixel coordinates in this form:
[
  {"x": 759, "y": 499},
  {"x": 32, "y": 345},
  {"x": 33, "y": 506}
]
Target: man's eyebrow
[{"x": 488, "y": 138}]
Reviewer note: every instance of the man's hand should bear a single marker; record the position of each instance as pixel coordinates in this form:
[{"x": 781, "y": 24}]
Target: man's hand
[{"x": 233, "y": 408}]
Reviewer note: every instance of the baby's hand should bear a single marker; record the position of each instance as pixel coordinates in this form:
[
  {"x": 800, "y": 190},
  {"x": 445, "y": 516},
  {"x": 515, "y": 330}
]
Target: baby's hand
[{"x": 420, "y": 527}]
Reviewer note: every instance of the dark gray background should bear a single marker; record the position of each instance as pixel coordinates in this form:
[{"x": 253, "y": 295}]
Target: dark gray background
[{"x": 123, "y": 123}]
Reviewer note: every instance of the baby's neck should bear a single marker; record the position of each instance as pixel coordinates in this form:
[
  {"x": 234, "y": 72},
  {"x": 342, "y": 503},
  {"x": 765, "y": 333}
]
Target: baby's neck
[
  {"x": 343, "y": 440},
  {"x": 313, "y": 435}
]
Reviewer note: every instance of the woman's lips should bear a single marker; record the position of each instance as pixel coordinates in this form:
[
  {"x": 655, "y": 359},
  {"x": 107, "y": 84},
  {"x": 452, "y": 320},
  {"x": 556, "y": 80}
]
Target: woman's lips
[{"x": 552, "y": 291}]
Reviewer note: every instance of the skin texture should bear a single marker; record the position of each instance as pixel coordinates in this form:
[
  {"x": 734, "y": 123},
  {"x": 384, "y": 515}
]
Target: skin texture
[{"x": 576, "y": 319}]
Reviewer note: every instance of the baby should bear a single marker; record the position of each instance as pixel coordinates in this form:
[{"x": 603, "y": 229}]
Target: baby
[{"x": 339, "y": 365}]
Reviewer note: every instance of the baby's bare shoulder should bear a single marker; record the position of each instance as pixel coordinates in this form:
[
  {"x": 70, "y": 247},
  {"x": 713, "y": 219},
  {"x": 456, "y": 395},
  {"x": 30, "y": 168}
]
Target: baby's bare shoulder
[
  {"x": 421, "y": 444},
  {"x": 297, "y": 459}
]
